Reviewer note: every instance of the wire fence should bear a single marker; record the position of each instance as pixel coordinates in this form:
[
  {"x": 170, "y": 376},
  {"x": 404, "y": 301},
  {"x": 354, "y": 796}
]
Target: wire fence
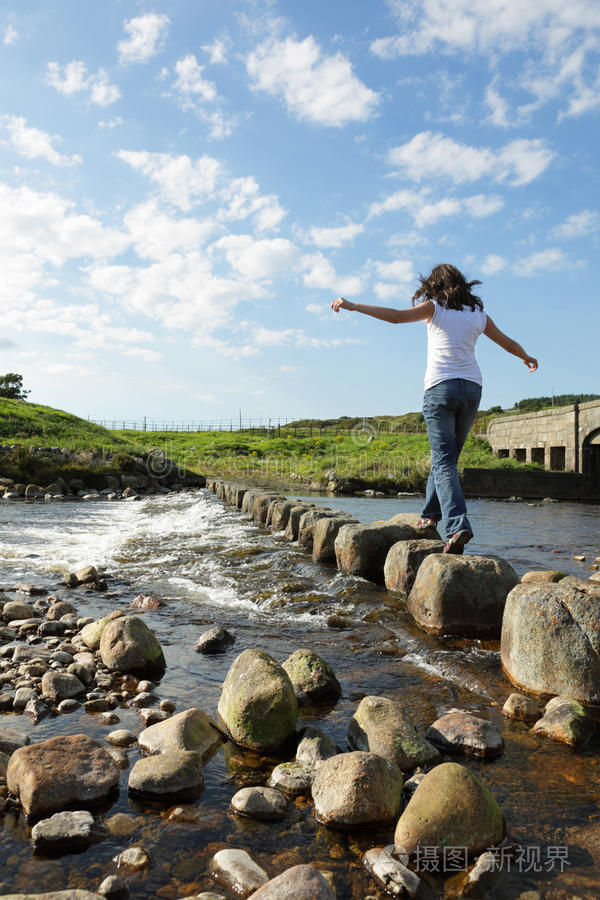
[{"x": 276, "y": 427}]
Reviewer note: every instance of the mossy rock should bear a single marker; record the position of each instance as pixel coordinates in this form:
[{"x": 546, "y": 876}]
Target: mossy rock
[
  {"x": 451, "y": 807},
  {"x": 258, "y": 703},
  {"x": 313, "y": 678}
]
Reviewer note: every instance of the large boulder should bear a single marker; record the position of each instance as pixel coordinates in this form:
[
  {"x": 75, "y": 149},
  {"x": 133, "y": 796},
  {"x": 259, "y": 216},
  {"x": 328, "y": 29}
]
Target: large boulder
[
  {"x": 302, "y": 882},
  {"x": 280, "y": 514},
  {"x": 258, "y": 703},
  {"x": 61, "y": 772},
  {"x": 261, "y": 505},
  {"x": 551, "y": 642},
  {"x": 128, "y": 645},
  {"x": 462, "y": 595},
  {"x": 324, "y": 535},
  {"x": 293, "y": 524},
  {"x": 386, "y": 728},
  {"x": 403, "y": 561},
  {"x": 313, "y": 678},
  {"x": 191, "y": 729},
  {"x": 355, "y": 789},
  {"x": 177, "y": 773},
  {"x": 362, "y": 549},
  {"x": 91, "y": 634},
  {"x": 566, "y": 720},
  {"x": 451, "y": 807},
  {"x": 308, "y": 521}
]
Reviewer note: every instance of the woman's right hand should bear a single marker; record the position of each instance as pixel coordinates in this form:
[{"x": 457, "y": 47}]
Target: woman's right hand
[
  {"x": 531, "y": 363},
  {"x": 340, "y": 303}
]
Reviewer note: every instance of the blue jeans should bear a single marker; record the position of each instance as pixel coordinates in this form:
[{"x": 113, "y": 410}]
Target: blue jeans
[{"x": 449, "y": 409}]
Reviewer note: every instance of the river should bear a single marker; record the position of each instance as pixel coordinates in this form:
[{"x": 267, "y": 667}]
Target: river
[{"x": 212, "y": 565}]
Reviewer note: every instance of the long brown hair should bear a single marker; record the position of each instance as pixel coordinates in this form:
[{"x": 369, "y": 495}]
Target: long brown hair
[{"x": 449, "y": 287}]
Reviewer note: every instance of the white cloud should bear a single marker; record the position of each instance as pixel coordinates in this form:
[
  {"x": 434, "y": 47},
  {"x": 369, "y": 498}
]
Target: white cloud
[
  {"x": 181, "y": 180},
  {"x": 40, "y": 232},
  {"x": 499, "y": 110},
  {"x": 72, "y": 79},
  {"x": 11, "y": 36},
  {"x": 484, "y": 25},
  {"x": 577, "y": 225},
  {"x": 189, "y": 79},
  {"x": 258, "y": 259},
  {"x": 556, "y": 40},
  {"x": 335, "y": 237},
  {"x": 242, "y": 198},
  {"x": 33, "y": 143},
  {"x": 399, "y": 270},
  {"x": 427, "y": 212},
  {"x": 155, "y": 234},
  {"x": 149, "y": 356},
  {"x": 315, "y": 87},
  {"x": 217, "y": 51},
  {"x": 146, "y": 36},
  {"x": 493, "y": 264},
  {"x": 428, "y": 156},
  {"x": 316, "y": 309},
  {"x": 551, "y": 260},
  {"x": 193, "y": 92},
  {"x": 111, "y": 123},
  {"x": 321, "y": 275}
]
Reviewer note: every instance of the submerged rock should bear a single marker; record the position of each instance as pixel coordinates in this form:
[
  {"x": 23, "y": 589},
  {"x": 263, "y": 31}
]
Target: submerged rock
[
  {"x": 64, "y": 832},
  {"x": 302, "y": 882},
  {"x": 566, "y": 720},
  {"x": 128, "y": 645},
  {"x": 354, "y": 789},
  {"x": 293, "y": 778},
  {"x": 386, "y": 728},
  {"x": 462, "y": 732},
  {"x": 214, "y": 640},
  {"x": 237, "y": 871},
  {"x": 521, "y": 707},
  {"x": 177, "y": 773},
  {"x": 191, "y": 729},
  {"x": 550, "y": 640},
  {"x": 258, "y": 704},
  {"x": 263, "y": 803},
  {"x": 462, "y": 595},
  {"x": 451, "y": 807},
  {"x": 313, "y": 678},
  {"x": 61, "y": 772}
]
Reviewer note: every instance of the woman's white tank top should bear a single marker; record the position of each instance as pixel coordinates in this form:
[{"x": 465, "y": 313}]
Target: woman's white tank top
[{"x": 451, "y": 338}]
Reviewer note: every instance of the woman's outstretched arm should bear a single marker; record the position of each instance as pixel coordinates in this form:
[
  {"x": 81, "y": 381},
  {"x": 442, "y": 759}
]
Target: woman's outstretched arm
[
  {"x": 494, "y": 334},
  {"x": 385, "y": 313}
]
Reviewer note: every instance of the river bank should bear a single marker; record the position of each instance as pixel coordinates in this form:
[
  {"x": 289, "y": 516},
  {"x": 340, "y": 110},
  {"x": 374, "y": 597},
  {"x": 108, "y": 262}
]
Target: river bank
[{"x": 212, "y": 566}]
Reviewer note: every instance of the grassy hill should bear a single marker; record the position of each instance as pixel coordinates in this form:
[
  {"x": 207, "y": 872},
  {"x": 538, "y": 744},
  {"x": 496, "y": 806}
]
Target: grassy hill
[{"x": 382, "y": 455}]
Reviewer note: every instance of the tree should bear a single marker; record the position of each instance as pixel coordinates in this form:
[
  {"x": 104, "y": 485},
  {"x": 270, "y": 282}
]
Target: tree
[{"x": 11, "y": 386}]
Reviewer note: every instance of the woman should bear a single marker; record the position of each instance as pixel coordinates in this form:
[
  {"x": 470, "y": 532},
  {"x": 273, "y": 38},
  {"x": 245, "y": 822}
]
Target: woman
[{"x": 455, "y": 319}]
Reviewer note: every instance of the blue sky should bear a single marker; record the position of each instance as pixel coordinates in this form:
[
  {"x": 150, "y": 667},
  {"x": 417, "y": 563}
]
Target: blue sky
[{"x": 185, "y": 187}]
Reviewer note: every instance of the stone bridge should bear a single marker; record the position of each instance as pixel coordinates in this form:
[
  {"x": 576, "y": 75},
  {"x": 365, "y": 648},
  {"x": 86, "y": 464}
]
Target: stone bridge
[{"x": 564, "y": 438}]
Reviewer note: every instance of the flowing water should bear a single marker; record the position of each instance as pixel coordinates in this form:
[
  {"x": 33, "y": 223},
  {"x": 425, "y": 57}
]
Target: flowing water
[{"x": 213, "y": 565}]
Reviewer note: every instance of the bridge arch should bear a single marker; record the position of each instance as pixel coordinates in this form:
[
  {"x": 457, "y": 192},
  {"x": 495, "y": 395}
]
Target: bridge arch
[{"x": 590, "y": 457}]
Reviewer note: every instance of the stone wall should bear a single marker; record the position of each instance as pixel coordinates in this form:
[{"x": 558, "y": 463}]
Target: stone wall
[
  {"x": 551, "y": 437},
  {"x": 527, "y": 483}
]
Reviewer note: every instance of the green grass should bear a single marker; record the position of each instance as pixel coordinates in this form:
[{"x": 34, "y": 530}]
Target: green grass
[{"x": 372, "y": 454}]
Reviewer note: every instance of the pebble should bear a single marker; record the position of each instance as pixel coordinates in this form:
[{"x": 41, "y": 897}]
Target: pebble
[
  {"x": 145, "y": 698},
  {"x": 98, "y": 704},
  {"x": 265, "y": 804},
  {"x": 22, "y": 697},
  {"x": 167, "y": 705},
  {"x": 108, "y": 718},
  {"x": 68, "y": 706},
  {"x": 237, "y": 871},
  {"x": 134, "y": 859},
  {"x": 152, "y": 715},
  {"x": 121, "y": 737},
  {"x": 122, "y": 825},
  {"x": 292, "y": 778},
  {"x": 113, "y": 888},
  {"x": 521, "y": 707},
  {"x": 214, "y": 640}
]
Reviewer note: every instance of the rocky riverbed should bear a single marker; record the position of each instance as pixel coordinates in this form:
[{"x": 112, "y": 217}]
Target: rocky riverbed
[{"x": 294, "y": 748}]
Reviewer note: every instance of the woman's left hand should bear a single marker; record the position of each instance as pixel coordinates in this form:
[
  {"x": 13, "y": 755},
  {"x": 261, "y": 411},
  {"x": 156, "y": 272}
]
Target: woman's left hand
[{"x": 340, "y": 303}]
